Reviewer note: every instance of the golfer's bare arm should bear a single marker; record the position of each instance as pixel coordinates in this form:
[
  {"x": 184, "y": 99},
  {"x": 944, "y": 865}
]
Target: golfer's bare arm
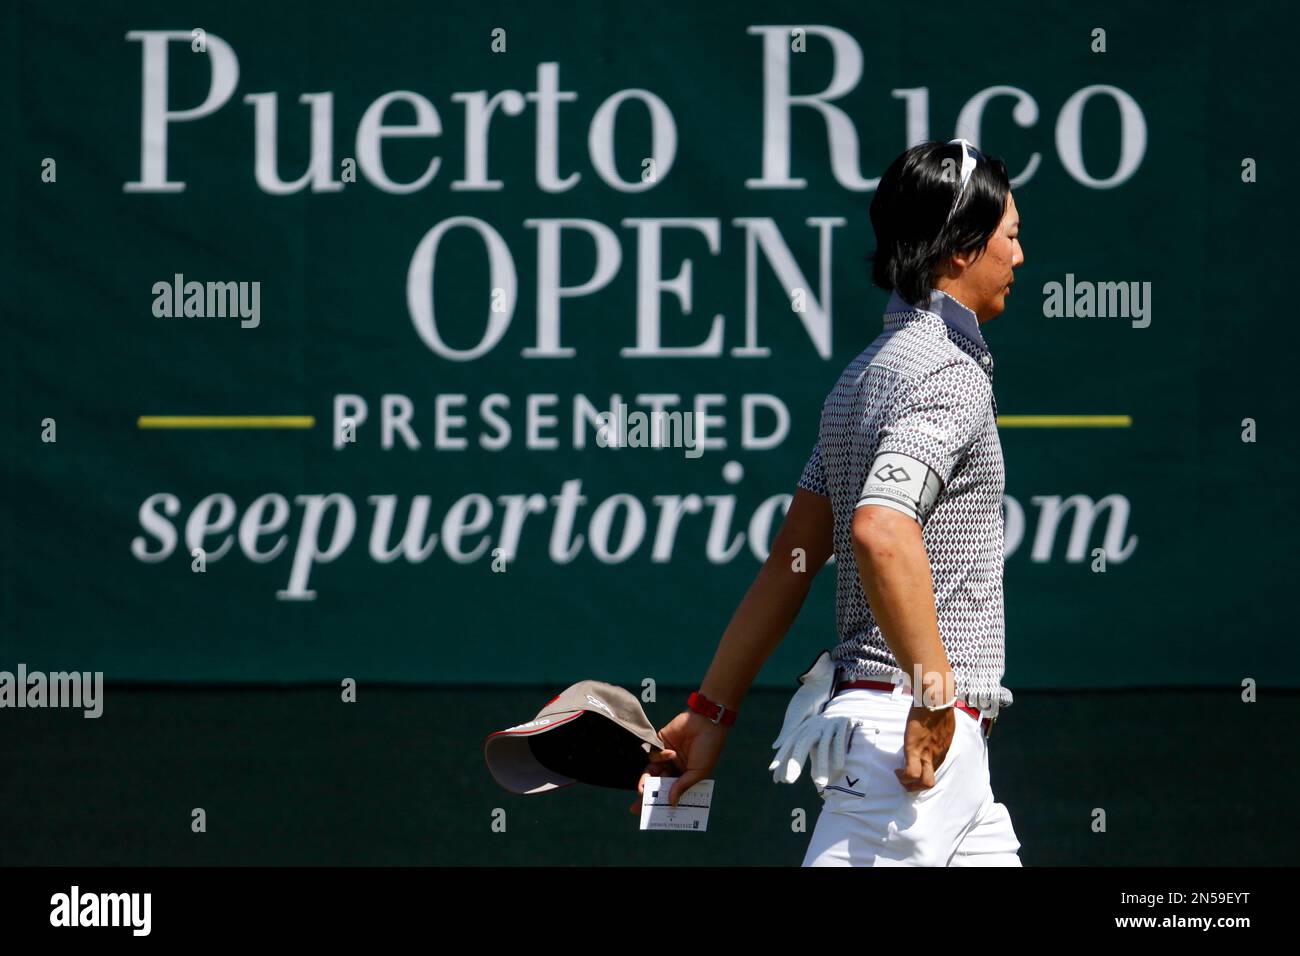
[
  {"x": 895, "y": 572},
  {"x": 773, "y": 600}
]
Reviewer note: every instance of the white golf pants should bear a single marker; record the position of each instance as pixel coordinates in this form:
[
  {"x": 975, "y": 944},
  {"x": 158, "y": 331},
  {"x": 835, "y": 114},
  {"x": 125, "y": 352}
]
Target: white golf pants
[{"x": 868, "y": 819}]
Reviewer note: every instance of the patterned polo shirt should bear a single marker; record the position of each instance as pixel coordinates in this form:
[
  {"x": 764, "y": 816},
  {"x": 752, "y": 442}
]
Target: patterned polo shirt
[{"x": 921, "y": 395}]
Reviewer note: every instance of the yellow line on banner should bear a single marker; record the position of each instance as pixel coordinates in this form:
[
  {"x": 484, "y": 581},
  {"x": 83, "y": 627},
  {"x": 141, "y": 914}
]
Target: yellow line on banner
[
  {"x": 309, "y": 421},
  {"x": 226, "y": 421},
  {"x": 1065, "y": 421}
]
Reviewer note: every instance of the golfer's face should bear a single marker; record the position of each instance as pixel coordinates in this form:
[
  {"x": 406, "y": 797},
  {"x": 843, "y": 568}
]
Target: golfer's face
[{"x": 991, "y": 274}]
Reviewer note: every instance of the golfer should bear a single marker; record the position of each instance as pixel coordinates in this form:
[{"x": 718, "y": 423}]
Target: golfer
[{"x": 904, "y": 487}]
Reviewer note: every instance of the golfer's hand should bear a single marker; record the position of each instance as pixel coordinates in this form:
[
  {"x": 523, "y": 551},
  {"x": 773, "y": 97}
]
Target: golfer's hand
[
  {"x": 694, "y": 744},
  {"x": 925, "y": 744}
]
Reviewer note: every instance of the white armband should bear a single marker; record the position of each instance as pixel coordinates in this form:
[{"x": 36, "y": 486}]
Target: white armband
[{"x": 901, "y": 482}]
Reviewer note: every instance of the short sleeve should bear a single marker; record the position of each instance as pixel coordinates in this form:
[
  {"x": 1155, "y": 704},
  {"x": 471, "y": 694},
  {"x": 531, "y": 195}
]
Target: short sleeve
[
  {"x": 935, "y": 425},
  {"x": 814, "y": 473}
]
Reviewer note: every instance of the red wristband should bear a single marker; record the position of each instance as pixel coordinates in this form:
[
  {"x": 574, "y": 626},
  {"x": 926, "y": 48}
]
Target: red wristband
[{"x": 707, "y": 708}]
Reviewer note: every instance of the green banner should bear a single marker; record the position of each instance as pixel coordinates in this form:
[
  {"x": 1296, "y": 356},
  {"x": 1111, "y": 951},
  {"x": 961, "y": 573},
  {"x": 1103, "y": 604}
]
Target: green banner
[{"x": 312, "y": 315}]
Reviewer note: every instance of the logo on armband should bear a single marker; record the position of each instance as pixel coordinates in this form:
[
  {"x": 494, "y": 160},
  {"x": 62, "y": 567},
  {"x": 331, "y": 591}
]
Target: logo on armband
[{"x": 889, "y": 472}]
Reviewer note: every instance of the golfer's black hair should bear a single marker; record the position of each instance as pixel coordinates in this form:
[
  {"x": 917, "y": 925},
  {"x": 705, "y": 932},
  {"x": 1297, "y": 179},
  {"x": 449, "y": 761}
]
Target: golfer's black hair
[{"x": 911, "y": 204}]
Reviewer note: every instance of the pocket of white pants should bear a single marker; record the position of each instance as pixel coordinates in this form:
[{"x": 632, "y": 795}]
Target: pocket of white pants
[
  {"x": 951, "y": 756},
  {"x": 956, "y": 749},
  {"x": 863, "y": 761}
]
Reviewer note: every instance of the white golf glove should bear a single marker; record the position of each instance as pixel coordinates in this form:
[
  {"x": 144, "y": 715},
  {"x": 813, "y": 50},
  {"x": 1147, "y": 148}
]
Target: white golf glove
[
  {"x": 815, "y": 687},
  {"x": 821, "y": 740}
]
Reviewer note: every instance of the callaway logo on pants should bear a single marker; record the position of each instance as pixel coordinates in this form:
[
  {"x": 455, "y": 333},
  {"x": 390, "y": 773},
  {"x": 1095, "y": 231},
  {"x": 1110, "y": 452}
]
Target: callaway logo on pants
[{"x": 868, "y": 819}]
